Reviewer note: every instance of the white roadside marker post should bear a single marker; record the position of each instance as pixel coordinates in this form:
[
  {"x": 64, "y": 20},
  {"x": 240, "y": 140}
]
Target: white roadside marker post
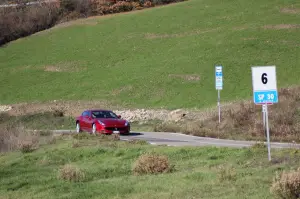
[{"x": 219, "y": 87}]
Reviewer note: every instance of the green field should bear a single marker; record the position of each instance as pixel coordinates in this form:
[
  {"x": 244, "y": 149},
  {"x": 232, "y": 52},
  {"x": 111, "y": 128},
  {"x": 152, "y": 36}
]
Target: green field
[
  {"x": 206, "y": 172},
  {"x": 161, "y": 57}
]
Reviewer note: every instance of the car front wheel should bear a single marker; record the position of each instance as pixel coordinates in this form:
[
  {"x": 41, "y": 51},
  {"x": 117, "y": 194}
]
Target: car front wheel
[
  {"x": 78, "y": 129},
  {"x": 94, "y": 129}
]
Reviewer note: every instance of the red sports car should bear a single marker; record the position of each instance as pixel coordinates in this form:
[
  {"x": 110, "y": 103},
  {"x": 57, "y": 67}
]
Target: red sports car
[{"x": 101, "y": 121}]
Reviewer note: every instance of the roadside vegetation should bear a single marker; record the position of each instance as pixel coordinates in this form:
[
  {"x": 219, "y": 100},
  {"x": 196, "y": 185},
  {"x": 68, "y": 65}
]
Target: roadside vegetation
[
  {"x": 106, "y": 166},
  {"x": 243, "y": 121}
]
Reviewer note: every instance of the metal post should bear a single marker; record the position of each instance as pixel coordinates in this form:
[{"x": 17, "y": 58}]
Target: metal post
[
  {"x": 264, "y": 118},
  {"x": 268, "y": 133},
  {"x": 219, "y": 107}
]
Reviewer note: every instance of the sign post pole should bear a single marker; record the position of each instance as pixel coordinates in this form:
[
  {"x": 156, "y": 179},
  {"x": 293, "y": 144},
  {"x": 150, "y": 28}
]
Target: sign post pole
[
  {"x": 268, "y": 133},
  {"x": 219, "y": 107},
  {"x": 265, "y": 93},
  {"x": 219, "y": 86},
  {"x": 264, "y": 118}
]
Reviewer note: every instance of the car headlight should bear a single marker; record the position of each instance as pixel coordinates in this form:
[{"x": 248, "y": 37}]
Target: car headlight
[
  {"x": 101, "y": 123},
  {"x": 126, "y": 123}
]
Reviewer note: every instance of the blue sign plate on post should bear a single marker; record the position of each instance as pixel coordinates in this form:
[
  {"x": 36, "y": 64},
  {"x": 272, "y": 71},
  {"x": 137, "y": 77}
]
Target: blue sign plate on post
[{"x": 265, "y": 97}]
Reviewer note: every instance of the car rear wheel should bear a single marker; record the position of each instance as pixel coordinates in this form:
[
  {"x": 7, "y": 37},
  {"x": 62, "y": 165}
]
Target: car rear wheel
[
  {"x": 94, "y": 129},
  {"x": 78, "y": 128}
]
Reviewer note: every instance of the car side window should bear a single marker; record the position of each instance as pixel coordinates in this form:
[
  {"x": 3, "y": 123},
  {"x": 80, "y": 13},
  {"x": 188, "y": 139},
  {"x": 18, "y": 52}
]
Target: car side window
[{"x": 85, "y": 113}]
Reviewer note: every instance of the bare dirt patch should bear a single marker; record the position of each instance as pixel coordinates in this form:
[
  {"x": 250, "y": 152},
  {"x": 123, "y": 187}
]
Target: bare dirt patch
[
  {"x": 290, "y": 10},
  {"x": 178, "y": 35},
  {"x": 70, "y": 108},
  {"x": 282, "y": 26},
  {"x": 191, "y": 77},
  {"x": 121, "y": 90},
  {"x": 65, "y": 67}
]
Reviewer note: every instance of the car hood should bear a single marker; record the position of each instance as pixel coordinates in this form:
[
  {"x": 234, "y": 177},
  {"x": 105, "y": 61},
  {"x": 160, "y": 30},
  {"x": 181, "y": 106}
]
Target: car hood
[{"x": 112, "y": 121}]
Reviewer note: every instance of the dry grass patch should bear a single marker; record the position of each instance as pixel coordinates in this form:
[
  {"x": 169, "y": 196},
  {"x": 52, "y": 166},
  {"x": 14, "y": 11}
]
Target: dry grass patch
[
  {"x": 244, "y": 121},
  {"x": 191, "y": 77},
  {"x": 17, "y": 138},
  {"x": 282, "y": 26},
  {"x": 226, "y": 173},
  {"x": 178, "y": 35},
  {"x": 71, "y": 173},
  {"x": 290, "y": 10},
  {"x": 286, "y": 185},
  {"x": 121, "y": 90},
  {"x": 65, "y": 67},
  {"x": 152, "y": 164}
]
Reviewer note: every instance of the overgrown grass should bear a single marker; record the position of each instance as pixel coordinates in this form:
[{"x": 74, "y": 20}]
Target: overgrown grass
[
  {"x": 244, "y": 121},
  {"x": 39, "y": 121},
  {"x": 104, "y": 170},
  {"x": 161, "y": 57}
]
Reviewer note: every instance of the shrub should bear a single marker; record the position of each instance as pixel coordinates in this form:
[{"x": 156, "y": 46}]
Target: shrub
[
  {"x": 21, "y": 21},
  {"x": 121, "y": 6},
  {"x": 152, "y": 164},
  {"x": 58, "y": 113},
  {"x": 167, "y": 127},
  {"x": 13, "y": 137},
  {"x": 226, "y": 173},
  {"x": 79, "y": 6},
  {"x": 287, "y": 185},
  {"x": 136, "y": 6},
  {"x": 148, "y": 4},
  {"x": 71, "y": 173}
]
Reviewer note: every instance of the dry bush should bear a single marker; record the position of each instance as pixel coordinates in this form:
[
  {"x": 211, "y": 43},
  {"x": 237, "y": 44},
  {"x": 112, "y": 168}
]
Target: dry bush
[
  {"x": 152, "y": 164},
  {"x": 136, "y": 6},
  {"x": 226, "y": 173},
  {"x": 121, "y": 6},
  {"x": 167, "y": 127},
  {"x": 17, "y": 22},
  {"x": 244, "y": 121},
  {"x": 13, "y": 137},
  {"x": 148, "y": 4},
  {"x": 83, "y": 7},
  {"x": 287, "y": 185},
  {"x": 71, "y": 173}
]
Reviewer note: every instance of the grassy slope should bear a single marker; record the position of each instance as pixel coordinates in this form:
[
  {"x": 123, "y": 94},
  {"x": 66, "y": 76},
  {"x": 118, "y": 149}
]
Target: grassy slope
[
  {"x": 124, "y": 65},
  {"x": 108, "y": 172}
]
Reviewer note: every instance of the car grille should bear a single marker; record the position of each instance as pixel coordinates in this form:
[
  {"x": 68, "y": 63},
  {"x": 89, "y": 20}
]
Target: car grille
[{"x": 116, "y": 128}]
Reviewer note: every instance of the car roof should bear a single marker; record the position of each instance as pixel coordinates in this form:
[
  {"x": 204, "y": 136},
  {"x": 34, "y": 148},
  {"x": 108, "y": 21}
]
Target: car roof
[{"x": 97, "y": 110}]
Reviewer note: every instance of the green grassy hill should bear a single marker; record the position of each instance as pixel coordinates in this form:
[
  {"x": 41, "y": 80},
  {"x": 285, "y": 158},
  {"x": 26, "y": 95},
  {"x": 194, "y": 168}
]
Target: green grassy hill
[{"x": 161, "y": 57}]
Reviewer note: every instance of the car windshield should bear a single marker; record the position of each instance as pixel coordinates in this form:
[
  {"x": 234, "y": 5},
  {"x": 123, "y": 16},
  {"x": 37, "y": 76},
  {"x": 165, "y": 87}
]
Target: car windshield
[{"x": 103, "y": 114}]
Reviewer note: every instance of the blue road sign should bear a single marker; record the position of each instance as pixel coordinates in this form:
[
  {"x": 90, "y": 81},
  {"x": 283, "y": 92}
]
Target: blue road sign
[
  {"x": 262, "y": 97},
  {"x": 219, "y": 77}
]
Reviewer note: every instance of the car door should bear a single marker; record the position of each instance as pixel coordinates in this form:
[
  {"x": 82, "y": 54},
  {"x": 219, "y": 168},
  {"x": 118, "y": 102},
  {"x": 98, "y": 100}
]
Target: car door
[
  {"x": 83, "y": 122},
  {"x": 89, "y": 121}
]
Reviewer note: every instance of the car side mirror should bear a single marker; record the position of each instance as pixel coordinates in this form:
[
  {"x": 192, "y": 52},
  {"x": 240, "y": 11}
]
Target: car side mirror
[{"x": 119, "y": 116}]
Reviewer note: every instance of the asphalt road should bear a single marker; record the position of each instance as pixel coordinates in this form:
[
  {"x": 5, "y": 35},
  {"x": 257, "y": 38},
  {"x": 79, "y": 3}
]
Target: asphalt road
[{"x": 177, "y": 139}]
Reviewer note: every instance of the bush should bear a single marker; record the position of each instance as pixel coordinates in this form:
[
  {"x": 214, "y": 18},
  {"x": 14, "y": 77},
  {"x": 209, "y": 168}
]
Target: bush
[
  {"x": 148, "y": 4},
  {"x": 79, "y": 6},
  {"x": 121, "y": 6},
  {"x": 287, "y": 185},
  {"x": 13, "y": 137},
  {"x": 136, "y": 6},
  {"x": 226, "y": 173},
  {"x": 71, "y": 173},
  {"x": 19, "y": 22},
  {"x": 167, "y": 127},
  {"x": 152, "y": 164}
]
